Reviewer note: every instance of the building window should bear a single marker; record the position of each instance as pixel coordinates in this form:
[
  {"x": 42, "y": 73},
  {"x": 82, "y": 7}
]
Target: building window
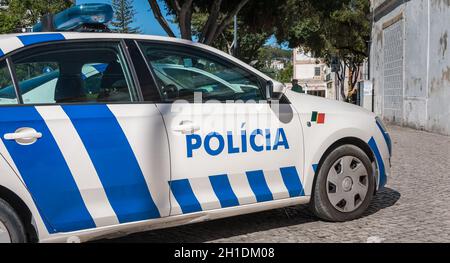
[{"x": 317, "y": 71}]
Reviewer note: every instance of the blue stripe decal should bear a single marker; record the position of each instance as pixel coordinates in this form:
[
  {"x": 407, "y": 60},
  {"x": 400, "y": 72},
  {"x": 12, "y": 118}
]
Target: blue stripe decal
[
  {"x": 374, "y": 147},
  {"x": 114, "y": 161},
  {"x": 259, "y": 186},
  {"x": 222, "y": 187},
  {"x": 315, "y": 166},
  {"x": 184, "y": 195},
  {"x": 45, "y": 172},
  {"x": 292, "y": 181},
  {"x": 40, "y": 38},
  {"x": 1, "y": 53},
  {"x": 386, "y": 138}
]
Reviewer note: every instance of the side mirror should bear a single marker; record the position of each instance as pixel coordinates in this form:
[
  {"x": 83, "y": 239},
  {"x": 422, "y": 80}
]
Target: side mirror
[{"x": 269, "y": 90}]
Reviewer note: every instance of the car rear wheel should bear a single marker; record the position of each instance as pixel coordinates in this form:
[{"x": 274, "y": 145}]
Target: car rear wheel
[
  {"x": 11, "y": 228},
  {"x": 344, "y": 185}
]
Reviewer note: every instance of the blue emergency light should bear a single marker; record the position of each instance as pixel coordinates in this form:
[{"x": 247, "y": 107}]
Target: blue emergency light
[{"x": 80, "y": 18}]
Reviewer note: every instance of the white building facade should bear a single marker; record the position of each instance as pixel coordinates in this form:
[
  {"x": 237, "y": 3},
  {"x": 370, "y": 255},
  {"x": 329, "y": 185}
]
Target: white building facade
[
  {"x": 310, "y": 73},
  {"x": 277, "y": 64},
  {"x": 410, "y": 63},
  {"x": 318, "y": 79}
]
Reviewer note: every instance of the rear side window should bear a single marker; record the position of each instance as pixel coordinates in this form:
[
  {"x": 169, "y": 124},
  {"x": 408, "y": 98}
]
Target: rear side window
[
  {"x": 38, "y": 81},
  {"x": 7, "y": 91},
  {"x": 93, "y": 72}
]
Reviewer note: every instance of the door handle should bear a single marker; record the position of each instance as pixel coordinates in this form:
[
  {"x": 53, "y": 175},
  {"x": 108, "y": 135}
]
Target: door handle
[
  {"x": 24, "y": 136},
  {"x": 186, "y": 127}
]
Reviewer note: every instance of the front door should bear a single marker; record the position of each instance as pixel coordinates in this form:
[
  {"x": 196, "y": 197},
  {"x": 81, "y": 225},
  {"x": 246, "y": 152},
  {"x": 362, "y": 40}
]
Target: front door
[
  {"x": 228, "y": 146},
  {"x": 88, "y": 154}
]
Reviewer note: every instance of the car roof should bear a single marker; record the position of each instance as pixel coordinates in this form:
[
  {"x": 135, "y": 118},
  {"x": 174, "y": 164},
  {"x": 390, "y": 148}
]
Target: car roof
[{"x": 12, "y": 42}]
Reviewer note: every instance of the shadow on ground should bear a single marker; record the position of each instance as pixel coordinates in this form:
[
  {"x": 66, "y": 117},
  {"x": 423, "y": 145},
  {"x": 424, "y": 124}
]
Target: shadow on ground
[
  {"x": 385, "y": 198},
  {"x": 246, "y": 224}
]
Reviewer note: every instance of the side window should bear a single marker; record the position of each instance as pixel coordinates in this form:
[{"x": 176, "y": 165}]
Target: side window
[
  {"x": 181, "y": 71},
  {"x": 73, "y": 73},
  {"x": 7, "y": 91},
  {"x": 37, "y": 81}
]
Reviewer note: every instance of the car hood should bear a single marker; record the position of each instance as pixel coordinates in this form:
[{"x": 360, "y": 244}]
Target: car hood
[{"x": 306, "y": 103}]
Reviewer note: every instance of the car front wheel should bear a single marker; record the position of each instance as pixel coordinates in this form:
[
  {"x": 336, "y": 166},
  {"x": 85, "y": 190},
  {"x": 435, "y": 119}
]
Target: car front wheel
[{"x": 344, "y": 185}]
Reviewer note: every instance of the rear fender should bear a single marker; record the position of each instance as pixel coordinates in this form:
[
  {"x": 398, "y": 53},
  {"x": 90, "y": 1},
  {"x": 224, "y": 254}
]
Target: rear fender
[{"x": 10, "y": 179}]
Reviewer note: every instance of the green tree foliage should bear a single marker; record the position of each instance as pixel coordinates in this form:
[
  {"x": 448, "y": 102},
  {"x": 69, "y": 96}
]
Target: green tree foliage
[
  {"x": 26, "y": 13},
  {"x": 124, "y": 14},
  {"x": 286, "y": 74},
  {"x": 267, "y": 55},
  {"x": 211, "y": 22},
  {"x": 249, "y": 41},
  {"x": 330, "y": 29},
  {"x": 256, "y": 16},
  {"x": 327, "y": 28}
]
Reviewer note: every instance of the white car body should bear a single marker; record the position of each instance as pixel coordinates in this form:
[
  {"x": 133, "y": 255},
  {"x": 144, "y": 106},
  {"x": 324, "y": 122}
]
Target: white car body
[{"x": 165, "y": 163}]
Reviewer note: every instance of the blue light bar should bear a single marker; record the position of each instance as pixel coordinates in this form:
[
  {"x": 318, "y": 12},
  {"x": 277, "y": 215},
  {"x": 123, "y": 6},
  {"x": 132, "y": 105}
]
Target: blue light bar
[{"x": 78, "y": 16}]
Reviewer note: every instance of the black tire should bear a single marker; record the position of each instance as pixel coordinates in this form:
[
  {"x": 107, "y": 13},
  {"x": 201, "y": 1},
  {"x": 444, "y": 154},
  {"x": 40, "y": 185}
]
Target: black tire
[
  {"x": 12, "y": 222},
  {"x": 320, "y": 203}
]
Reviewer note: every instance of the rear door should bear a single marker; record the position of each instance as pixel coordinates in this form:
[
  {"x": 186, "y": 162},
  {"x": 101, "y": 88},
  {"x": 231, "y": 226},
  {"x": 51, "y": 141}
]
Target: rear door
[{"x": 89, "y": 153}]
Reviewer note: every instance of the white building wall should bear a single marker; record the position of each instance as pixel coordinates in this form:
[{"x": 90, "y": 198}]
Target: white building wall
[
  {"x": 304, "y": 71},
  {"x": 422, "y": 27}
]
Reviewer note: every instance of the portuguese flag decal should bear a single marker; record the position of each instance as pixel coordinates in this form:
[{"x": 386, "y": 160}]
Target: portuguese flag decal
[{"x": 317, "y": 117}]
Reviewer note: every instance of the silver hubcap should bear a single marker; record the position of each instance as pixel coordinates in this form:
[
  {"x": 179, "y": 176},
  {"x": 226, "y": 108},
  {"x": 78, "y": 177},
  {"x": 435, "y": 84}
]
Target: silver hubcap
[
  {"x": 4, "y": 234},
  {"x": 347, "y": 184}
]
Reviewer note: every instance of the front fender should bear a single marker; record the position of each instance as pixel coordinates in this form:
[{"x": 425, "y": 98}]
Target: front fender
[
  {"x": 342, "y": 120},
  {"x": 315, "y": 150}
]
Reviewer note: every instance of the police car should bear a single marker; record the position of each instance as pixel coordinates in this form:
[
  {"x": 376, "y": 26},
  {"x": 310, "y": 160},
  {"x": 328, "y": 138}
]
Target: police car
[{"x": 108, "y": 134}]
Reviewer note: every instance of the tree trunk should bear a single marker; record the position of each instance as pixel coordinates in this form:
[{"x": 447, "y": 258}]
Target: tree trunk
[
  {"x": 184, "y": 20},
  {"x": 350, "y": 81},
  {"x": 353, "y": 78},
  {"x": 160, "y": 18},
  {"x": 219, "y": 28},
  {"x": 211, "y": 23},
  {"x": 341, "y": 78}
]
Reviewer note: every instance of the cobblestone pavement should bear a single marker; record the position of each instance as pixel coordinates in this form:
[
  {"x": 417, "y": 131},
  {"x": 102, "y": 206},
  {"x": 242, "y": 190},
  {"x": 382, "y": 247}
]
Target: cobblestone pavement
[{"x": 414, "y": 207}]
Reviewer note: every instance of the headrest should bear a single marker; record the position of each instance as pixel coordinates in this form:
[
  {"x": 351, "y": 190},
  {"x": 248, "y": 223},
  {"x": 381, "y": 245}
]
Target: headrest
[{"x": 69, "y": 88}]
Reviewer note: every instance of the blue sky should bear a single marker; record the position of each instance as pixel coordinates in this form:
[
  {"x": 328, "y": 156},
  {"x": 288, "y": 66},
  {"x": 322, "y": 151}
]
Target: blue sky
[{"x": 145, "y": 19}]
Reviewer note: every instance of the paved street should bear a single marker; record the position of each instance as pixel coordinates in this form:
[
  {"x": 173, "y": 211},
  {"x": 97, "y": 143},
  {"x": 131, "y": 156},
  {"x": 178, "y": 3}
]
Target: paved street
[{"x": 415, "y": 207}]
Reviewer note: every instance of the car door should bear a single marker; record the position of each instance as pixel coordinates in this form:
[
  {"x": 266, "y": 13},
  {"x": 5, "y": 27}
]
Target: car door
[
  {"x": 228, "y": 146},
  {"x": 90, "y": 155}
]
